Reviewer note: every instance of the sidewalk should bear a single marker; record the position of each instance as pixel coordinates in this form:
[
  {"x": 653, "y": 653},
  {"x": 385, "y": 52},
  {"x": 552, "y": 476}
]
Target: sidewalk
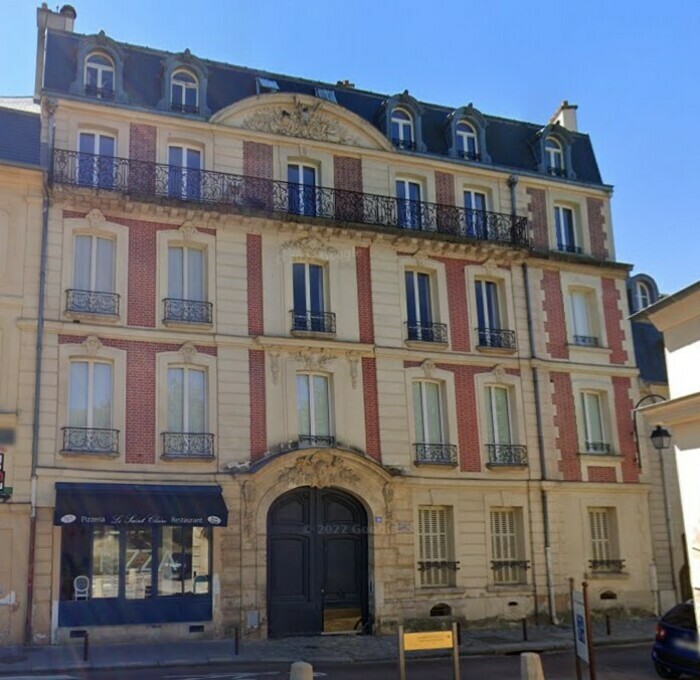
[{"x": 336, "y": 649}]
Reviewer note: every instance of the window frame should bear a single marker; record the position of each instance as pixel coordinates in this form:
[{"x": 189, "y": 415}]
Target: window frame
[
  {"x": 409, "y": 210},
  {"x": 587, "y": 421},
  {"x": 97, "y": 159},
  {"x": 300, "y": 204},
  {"x": 186, "y": 248},
  {"x": 182, "y": 106},
  {"x": 310, "y": 375},
  {"x": 492, "y": 421},
  {"x": 403, "y": 120},
  {"x": 93, "y": 261},
  {"x": 101, "y": 69},
  {"x": 90, "y": 405},
  {"x": 184, "y": 170},
  {"x": 516, "y": 550},
  {"x": 424, "y": 410},
  {"x": 187, "y": 369},
  {"x": 464, "y": 136},
  {"x": 554, "y": 150},
  {"x": 438, "y": 578},
  {"x": 562, "y": 238},
  {"x": 640, "y": 286}
]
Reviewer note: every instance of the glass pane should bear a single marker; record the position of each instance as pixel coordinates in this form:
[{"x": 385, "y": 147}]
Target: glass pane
[
  {"x": 173, "y": 571},
  {"x": 87, "y": 142},
  {"x": 195, "y": 275},
  {"x": 560, "y": 227},
  {"x": 78, "y": 396},
  {"x": 82, "y": 262},
  {"x": 424, "y": 301},
  {"x": 200, "y": 561},
  {"x": 401, "y": 189},
  {"x": 418, "y": 411},
  {"x": 91, "y": 77},
  {"x": 480, "y": 201},
  {"x": 494, "y": 313},
  {"x": 480, "y": 309},
  {"x": 322, "y": 424},
  {"x": 105, "y": 562},
  {"x": 184, "y": 77},
  {"x": 194, "y": 159},
  {"x": 502, "y": 416},
  {"x": 175, "y": 399},
  {"x": 433, "y": 413},
  {"x": 104, "y": 267},
  {"x": 490, "y": 417},
  {"x": 107, "y": 80},
  {"x": 175, "y": 273},
  {"x": 175, "y": 156},
  {"x": 303, "y": 406},
  {"x": 75, "y": 559},
  {"x": 299, "y": 281},
  {"x": 138, "y": 563},
  {"x": 99, "y": 59},
  {"x": 107, "y": 146},
  {"x": 293, "y": 174},
  {"x": 579, "y": 304},
  {"x": 176, "y": 94},
  {"x": 102, "y": 396},
  {"x": 411, "y": 309},
  {"x": 191, "y": 97},
  {"x": 414, "y": 191},
  {"x": 196, "y": 401},
  {"x": 394, "y": 130},
  {"x": 316, "y": 284},
  {"x": 595, "y": 422},
  {"x": 309, "y": 176}
]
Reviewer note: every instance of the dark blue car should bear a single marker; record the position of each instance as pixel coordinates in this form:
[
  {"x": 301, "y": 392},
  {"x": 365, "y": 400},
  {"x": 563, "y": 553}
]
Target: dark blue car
[{"x": 675, "y": 651}]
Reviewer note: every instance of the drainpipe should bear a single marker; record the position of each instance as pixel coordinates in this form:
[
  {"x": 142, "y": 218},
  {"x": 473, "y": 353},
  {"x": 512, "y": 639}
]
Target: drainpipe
[{"x": 47, "y": 160}]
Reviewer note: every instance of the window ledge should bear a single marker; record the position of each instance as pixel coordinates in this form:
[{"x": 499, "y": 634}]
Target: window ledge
[
  {"x": 194, "y": 325},
  {"x": 506, "y": 466},
  {"x": 89, "y": 316},
  {"x": 484, "y": 349},
  {"x": 608, "y": 575},
  {"x": 432, "y": 463},
  {"x": 421, "y": 344},
  {"x": 587, "y": 348},
  {"x": 187, "y": 458},
  {"x": 97, "y": 455},
  {"x": 509, "y": 588},
  {"x": 588, "y": 457},
  {"x": 321, "y": 335}
]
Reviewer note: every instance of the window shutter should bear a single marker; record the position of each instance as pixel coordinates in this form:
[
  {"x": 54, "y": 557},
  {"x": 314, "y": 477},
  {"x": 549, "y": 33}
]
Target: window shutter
[
  {"x": 504, "y": 544},
  {"x": 433, "y": 542},
  {"x": 600, "y": 533}
]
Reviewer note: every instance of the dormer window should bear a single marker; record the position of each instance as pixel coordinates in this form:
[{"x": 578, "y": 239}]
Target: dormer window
[
  {"x": 184, "y": 93},
  {"x": 402, "y": 130},
  {"x": 642, "y": 295},
  {"x": 554, "y": 157},
  {"x": 467, "y": 143},
  {"x": 99, "y": 76}
]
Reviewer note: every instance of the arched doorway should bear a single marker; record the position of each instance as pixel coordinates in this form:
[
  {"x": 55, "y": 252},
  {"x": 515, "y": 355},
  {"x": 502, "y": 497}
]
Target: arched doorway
[{"x": 316, "y": 563}]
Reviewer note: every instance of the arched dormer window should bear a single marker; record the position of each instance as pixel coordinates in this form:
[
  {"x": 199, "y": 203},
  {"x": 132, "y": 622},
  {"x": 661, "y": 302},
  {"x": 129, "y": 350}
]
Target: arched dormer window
[
  {"x": 400, "y": 120},
  {"x": 554, "y": 157},
  {"x": 99, "y": 76},
  {"x": 184, "y": 92},
  {"x": 552, "y": 146},
  {"x": 402, "y": 130},
  {"x": 642, "y": 295},
  {"x": 465, "y": 134},
  {"x": 641, "y": 292},
  {"x": 467, "y": 142}
]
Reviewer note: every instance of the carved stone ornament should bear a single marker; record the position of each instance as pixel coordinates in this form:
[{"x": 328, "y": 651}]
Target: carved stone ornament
[
  {"x": 96, "y": 218},
  {"x": 248, "y": 494},
  {"x": 309, "y": 246},
  {"x": 490, "y": 265},
  {"x": 188, "y": 352},
  {"x": 354, "y": 363},
  {"x": 301, "y": 119},
  {"x": 499, "y": 373},
  {"x": 314, "y": 359},
  {"x": 428, "y": 367},
  {"x": 92, "y": 345},
  {"x": 188, "y": 230},
  {"x": 318, "y": 470},
  {"x": 274, "y": 354}
]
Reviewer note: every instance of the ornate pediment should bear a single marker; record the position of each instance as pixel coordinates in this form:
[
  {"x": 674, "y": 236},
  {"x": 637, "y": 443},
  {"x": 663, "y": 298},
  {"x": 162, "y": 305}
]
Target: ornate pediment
[{"x": 319, "y": 470}]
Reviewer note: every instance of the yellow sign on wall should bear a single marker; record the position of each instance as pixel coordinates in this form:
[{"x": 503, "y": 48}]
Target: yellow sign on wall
[{"x": 440, "y": 639}]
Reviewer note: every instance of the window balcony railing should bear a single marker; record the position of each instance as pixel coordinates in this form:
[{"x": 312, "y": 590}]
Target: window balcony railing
[
  {"x": 556, "y": 171},
  {"x": 101, "y": 92},
  {"x": 187, "y": 311},
  {"x": 601, "y": 448},
  {"x": 569, "y": 248},
  {"x": 184, "y": 108},
  {"x": 90, "y": 440},
  {"x": 316, "y": 440},
  {"x": 147, "y": 181},
  {"x": 426, "y": 332},
  {"x": 496, "y": 337},
  {"x": 505, "y": 455},
  {"x": 469, "y": 155},
  {"x": 586, "y": 340},
  {"x": 607, "y": 566},
  {"x": 92, "y": 302},
  {"x": 313, "y": 322},
  {"x": 435, "y": 454},
  {"x": 405, "y": 144},
  {"x": 510, "y": 572},
  {"x": 438, "y": 565},
  {"x": 188, "y": 445}
]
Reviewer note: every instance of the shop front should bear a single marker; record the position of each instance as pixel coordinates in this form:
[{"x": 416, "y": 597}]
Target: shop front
[{"x": 136, "y": 554}]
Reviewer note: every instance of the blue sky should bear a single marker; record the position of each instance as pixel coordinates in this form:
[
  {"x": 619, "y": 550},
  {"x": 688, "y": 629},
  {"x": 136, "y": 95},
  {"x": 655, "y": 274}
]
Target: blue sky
[{"x": 632, "y": 67}]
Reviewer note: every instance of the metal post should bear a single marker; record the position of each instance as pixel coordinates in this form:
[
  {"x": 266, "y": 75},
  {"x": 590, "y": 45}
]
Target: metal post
[
  {"x": 455, "y": 651},
  {"x": 524, "y": 625},
  {"x": 86, "y": 646},
  {"x": 573, "y": 628},
  {"x": 236, "y": 640},
  {"x": 402, "y": 655},
  {"x": 589, "y": 631},
  {"x": 607, "y": 624}
]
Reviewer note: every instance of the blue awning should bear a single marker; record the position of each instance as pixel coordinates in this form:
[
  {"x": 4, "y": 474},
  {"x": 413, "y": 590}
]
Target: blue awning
[{"x": 139, "y": 504}]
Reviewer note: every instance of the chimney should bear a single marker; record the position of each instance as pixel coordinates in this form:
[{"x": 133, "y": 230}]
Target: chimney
[
  {"x": 565, "y": 115},
  {"x": 63, "y": 20},
  {"x": 346, "y": 83}
]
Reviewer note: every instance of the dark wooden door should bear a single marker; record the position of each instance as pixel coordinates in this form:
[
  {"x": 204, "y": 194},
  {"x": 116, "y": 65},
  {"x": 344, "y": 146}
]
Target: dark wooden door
[{"x": 317, "y": 563}]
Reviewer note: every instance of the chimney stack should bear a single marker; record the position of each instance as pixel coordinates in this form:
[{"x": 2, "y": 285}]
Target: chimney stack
[
  {"x": 565, "y": 115},
  {"x": 63, "y": 20},
  {"x": 346, "y": 83}
]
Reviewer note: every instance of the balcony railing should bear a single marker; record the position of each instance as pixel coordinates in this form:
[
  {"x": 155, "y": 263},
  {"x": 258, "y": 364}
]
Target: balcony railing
[
  {"x": 607, "y": 566},
  {"x": 602, "y": 448},
  {"x": 504, "y": 455},
  {"x": 496, "y": 337},
  {"x": 187, "y": 311},
  {"x": 435, "y": 454},
  {"x": 92, "y": 302},
  {"x": 101, "y": 92},
  {"x": 188, "y": 445},
  {"x": 510, "y": 571},
  {"x": 316, "y": 440},
  {"x": 238, "y": 193},
  {"x": 405, "y": 144},
  {"x": 90, "y": 440},
  {"x": 426, "y": 332},
  {"x": 313, "y": 322},
  {"x": 469, "y": 155},
  {"x": 428, "y": 565},
  {"x": 556, "y": 172},
  {"x": 586, "y": 340},
  {"x": 184, "y": 108},
  {"x": 569, "y": 248}
]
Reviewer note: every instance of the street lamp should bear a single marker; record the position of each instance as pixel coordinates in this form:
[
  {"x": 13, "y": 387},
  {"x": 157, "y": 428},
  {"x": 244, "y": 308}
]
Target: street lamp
[
  {"x": 660, "y": 438},
  {"x": 661, "y": 445}
]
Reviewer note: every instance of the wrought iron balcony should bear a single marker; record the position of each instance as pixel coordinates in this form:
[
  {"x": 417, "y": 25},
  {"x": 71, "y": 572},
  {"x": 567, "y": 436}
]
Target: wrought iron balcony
[
  {"x": 586, "y": 340},
  {"x": 313, "y": 322},
  {"x": 316, "y": 440},
  {"x": 602, "y": 448},
  {"x": 184, "y": 108},
  {"x": 223, "y": 192},
  {"x": 101, "y": 92},
  {"x": 92, "y": 302},
  {"x": 510, "y": 571},
  {"x": 496, "y": 337},
  {"x": 505, "y": 455},
  {"x": 469, "y": 155},
  {"x": 427, "y": 565},
  {"x": 405, "y": 144},
  {"x": 426, "y": 332},
  {"x": 187, "y": 311},
  {"x": 188, "y": 445},
  {"x": 556, "y": 171},
  {"x": 435, "y": 454},
  {"x": 569, "y": 248},
  {"x": 607, "y": 566},
  {"x": 90, "y": 440}
]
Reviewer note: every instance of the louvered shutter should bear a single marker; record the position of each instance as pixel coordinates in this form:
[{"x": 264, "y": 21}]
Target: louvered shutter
[
  {"x": 599, "y": 519},
  {"x": 434, "y": 547},
  {"x": 504, "y": 544}
]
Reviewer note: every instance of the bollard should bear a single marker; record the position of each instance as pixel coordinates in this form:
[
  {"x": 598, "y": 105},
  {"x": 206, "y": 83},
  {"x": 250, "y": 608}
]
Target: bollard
[
  {"x": 301, "y": 670},
  {"x": 531, "y": 666}
]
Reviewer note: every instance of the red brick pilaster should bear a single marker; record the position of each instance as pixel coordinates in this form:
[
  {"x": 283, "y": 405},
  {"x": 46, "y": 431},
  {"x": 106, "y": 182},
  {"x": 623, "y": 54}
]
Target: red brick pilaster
[
  {"x": 258, "y": 416},
  {"x": 365, "y": 308},
  {"x": 625, "y": 427},
  {"x": 142, "y": 142},
  {"x": 445, "y": 196},
  {"x": 142, "y": 274},
  {"x": 347, "y": 173},
  {"x": 596, "y": 225},
  {"x": 612, "y": 300},
  {"x": 555, "y": 323},
  {"x": 467, "y": 417},
  {"x": 255, "y": 284},
  {"x": 257, "y": 160},
  {"x": 565, "y": 422},
  {"x": 457, "y": 302},
  {"x": 373, "y": 447},
  {"x": 538, "y": 218},
  {"x": 599, "y": 473}
]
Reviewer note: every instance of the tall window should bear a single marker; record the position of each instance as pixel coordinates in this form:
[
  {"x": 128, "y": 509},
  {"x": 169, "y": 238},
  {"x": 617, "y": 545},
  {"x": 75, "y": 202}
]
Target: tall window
[
  {"x": 582, "y": 318},
  {"x": 314, "y": 409},
  {"x": 488, "y": 313},
  {"x": 475, "y": 214},
  {"x": 96, "y": 166},
  {"x": 99, "y": 76},
  {"x": 402, "y": 129},
  {"x": 309, "y": 297},
  {"x": 90, "y": 396},
  {"x": 428, "y": 412},
  {"x": 93, "y": 264},
  {"x": 467, "y": 146},
  {"x": 186, "y": 274},
  {"x": 593, "y": 423},
  {"x": 642, "y": 295},
  {"x": 408, "y": 198},
  {"x": 419, "y": 306},
  {"x": 566, "y": 230},
  {"x": 302, "y": 188},
  {"x": 498, "y": 415},
  {"x": 604, "y": 549},
  {"x": 187, "y": 400},
  {"x": 435, "y": 546},
  {"x": 184, "y": 172},
  {"x": 555, "y": 157},
  {"x": 184, "y": 93},
  {"x": 508, "y": 566}
]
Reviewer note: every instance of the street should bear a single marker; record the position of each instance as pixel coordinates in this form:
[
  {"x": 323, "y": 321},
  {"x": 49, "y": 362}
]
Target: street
[{"x": 613, "y": 663}]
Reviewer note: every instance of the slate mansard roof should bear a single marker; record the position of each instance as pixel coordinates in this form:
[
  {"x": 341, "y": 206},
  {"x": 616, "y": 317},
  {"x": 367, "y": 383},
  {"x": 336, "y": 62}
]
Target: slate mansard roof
[
  {"x": 20, "y": 132},
  {"x": 509, "y": 142}
]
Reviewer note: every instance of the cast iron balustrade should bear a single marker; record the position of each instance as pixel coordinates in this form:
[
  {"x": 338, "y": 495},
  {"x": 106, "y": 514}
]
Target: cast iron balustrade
[
  {"x": 569, "y": 248},
  {"x": 319, "y": 440},
  {"x": 426, "y": 332},
  {"x": 101, "y": 92},
  {"x": 187, "y": 311},
  {"x": 556, "y": 172},
  {"x": 598, "y": 447},
  {"x": 510, "y": 571},
  {"x": 90, "y": 440},
  {"x": 184, "y": 108},
  {"x": 92, "y": 302},
  {"x": 586, "y": 340},
  {"x": 313, "y": 322},
  {"x": 143, "y": 180},
  {"x": 470, "y": 155},
  {"x": 503, "y": 455},
  {"x": 607, "y": 566},
  {"x": 496, "y": 337},
  {"x": 427, "y": 565},
  {"x": 435, "y": 454},
  {"x": 188, "y": 445},
  {"x": 405, "y": 144}
]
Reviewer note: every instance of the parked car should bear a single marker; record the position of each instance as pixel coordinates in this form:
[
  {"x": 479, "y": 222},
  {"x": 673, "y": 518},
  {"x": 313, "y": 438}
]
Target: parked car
[{"x": 675, "y": 652}]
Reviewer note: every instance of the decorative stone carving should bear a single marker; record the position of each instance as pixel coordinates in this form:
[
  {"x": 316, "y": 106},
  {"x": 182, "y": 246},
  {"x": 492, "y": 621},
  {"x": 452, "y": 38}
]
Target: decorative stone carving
[
  {"x": 92, "y": 345},
  {"x": 388, "y": 495},
  {"x": 310, "y": 246},
  {"x": 188, "y": 352},
  {"x": 274, "y": 354},
  {"x": 304, "y": 120},
  {"x": 499, "y": 373},
  {"x": 428, "y": 367},
  {"x": 319, "y": 470},
  {"x": 49, "y": 105},
  {"x": 248, "y": 495},
  {"x": 314, "y": 359},
  {"x": 96, "y": 219},
  {"x": 354, "y": 362},
  {"x": 188, "y": 230},
  {"x": 490, "y": 265}
]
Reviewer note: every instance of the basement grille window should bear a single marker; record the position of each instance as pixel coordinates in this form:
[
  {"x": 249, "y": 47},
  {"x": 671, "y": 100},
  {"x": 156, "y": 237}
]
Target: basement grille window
[{"x": 328, "y": 95}]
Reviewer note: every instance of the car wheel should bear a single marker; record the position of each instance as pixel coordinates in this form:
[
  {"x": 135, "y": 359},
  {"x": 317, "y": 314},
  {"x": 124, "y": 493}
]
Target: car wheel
[{"x": 664, "y": 672}]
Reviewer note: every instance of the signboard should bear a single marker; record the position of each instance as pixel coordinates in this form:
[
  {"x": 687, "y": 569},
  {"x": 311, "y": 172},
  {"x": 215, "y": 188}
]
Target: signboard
[
  {"x": 439, "y": 639},
  {"x": 580, "y": 628}
]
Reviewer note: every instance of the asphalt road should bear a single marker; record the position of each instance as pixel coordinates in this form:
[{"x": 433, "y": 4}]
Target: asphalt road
[{"x": 613, "y": 663}]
